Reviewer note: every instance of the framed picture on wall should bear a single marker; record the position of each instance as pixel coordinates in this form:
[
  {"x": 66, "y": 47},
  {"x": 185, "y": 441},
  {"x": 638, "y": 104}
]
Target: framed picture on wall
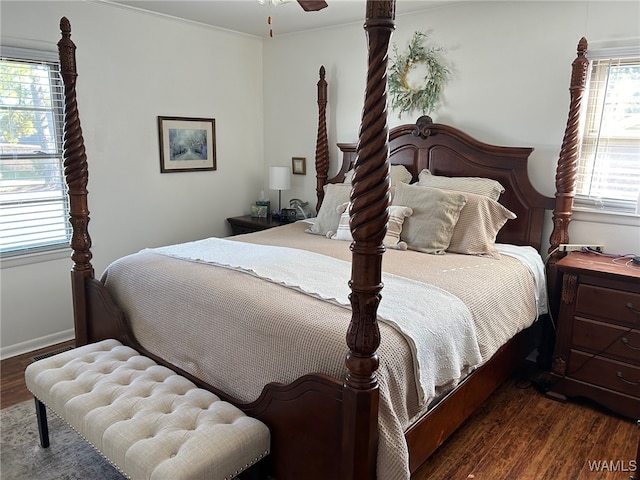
[
  {"x": 299, "y": 165},
  {"x": 187, "y": 144}
]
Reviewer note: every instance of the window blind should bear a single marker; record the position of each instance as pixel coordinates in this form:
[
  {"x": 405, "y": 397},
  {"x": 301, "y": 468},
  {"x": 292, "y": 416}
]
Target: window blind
[
  {"x": 33, "y": 201},
  {"x": 609, "y": 163}
]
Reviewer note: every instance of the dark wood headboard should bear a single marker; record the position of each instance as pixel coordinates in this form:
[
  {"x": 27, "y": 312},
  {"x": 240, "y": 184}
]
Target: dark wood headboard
[{"x": 445, "y": 150}]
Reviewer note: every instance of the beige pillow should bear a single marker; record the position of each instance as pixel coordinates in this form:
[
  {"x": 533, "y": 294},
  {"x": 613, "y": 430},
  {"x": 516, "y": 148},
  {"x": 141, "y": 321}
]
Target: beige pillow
[
  {"x": 435, "y": 213},
  {"x": 480, "y": 221},
  {"x": 397, "y": 214},
  {"x": 478, "y": 185},
  {"x": 399, "y": 174},
  {"x": 335, "y": 194}
]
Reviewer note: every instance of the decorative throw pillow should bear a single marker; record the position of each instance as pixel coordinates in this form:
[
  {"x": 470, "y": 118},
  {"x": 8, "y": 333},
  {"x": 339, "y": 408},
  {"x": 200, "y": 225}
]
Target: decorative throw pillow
[
  {"x": 348, "y": 177},
  {"x": 478, "y": 185},
  {"x": 343, "y": 232},
  {"x": 335, "y": 194},
  {"x": 397, "y": 214},
  {"x": 435, "y": 213},
  {"x": 480, "y": 221}
]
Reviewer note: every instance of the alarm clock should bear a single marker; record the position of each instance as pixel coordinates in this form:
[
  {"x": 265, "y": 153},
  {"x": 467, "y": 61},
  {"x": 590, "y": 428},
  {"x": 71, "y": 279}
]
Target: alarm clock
[{"x": 288, "y": 215}]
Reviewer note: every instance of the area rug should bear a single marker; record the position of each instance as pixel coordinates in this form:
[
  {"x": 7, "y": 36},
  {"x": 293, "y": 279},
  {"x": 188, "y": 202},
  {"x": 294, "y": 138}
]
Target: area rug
[{"x": 68, "y": 457}]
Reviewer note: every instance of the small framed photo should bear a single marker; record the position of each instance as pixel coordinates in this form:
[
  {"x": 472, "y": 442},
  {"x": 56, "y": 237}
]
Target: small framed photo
[
  {"x": 299, "y": 165},
  {"x": 187, "y": 144}
]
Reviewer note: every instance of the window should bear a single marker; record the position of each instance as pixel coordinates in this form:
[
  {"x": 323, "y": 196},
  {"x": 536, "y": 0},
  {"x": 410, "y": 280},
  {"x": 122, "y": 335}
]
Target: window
[
  {"x": 33, "y": 201},
  {"x": 609, "y": 164}
]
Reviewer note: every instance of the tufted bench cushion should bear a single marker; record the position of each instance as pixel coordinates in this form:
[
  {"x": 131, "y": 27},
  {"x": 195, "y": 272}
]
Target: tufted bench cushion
[{"x": 148, "y": 421}]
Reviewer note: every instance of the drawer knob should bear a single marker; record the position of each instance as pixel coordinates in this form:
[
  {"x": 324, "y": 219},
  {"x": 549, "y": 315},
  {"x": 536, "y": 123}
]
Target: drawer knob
[
  {"x": 621, "y": 377},
  {"x": 625, "y": 340},
  {"x": 630, "y": 307}
]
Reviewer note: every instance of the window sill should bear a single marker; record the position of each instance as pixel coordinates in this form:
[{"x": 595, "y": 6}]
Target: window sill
[
  {"x": 586, "y": 214},
  {"x": 31, "y": 258}
]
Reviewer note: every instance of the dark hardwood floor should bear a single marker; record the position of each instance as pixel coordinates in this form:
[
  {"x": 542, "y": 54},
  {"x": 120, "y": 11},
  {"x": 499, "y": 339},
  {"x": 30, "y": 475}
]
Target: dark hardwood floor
[{"x": 518, "y": 434}]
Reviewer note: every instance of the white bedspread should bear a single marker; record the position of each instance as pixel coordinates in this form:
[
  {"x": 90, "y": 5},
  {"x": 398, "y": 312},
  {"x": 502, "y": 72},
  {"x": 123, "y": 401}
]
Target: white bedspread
[
  {"x": 436, "y": 324},
  {"x": 530, "y": 257}
]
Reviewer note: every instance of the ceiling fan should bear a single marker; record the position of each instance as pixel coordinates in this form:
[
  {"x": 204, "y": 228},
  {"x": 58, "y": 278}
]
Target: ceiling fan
[
  {"x": 312, "y": 5},
  {"x": 307, "y": 5}
]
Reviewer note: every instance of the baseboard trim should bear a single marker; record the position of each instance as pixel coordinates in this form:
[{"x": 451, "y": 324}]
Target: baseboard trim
[{"x": 36, "y": 344}]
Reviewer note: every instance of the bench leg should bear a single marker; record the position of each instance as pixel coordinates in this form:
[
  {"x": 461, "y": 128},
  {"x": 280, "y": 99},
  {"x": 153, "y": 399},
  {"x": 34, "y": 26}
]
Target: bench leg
[
  {"x": 43, "y": 427},
  {"x": 257, "y": 471}
]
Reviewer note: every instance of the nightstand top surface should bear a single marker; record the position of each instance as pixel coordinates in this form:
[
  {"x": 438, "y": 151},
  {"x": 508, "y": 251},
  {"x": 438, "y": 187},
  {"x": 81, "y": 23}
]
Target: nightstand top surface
[{"x": 594, "y": 263}]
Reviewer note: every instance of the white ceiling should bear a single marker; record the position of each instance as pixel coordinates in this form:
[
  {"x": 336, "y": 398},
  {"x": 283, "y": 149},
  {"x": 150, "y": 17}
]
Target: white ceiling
[{"x": 249, "y": 16}]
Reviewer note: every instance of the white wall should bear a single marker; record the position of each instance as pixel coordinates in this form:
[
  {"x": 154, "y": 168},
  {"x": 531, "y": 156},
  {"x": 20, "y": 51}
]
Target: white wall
[
  {"x": 132, "y": 68},
  {"x": 511, "y": 64}
]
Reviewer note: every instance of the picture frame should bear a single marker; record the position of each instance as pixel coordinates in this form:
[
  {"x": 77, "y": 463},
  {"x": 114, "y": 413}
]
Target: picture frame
[
  {"x": 187, "y": 144},
  {"x": 299, "y": 165}
]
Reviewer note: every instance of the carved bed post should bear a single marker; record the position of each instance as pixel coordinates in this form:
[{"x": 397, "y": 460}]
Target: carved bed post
[
  {"x": 322, "y": 145},
  {"x": 566, "y": 172},
  {"x": 369, "y": 213},
  {"x": 77, "y": 176},
  {"x": 568, "y": 161}
]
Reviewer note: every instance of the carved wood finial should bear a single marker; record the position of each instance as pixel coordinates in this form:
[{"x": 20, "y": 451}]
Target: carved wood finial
[
  {"x": 568, "y": 162},
  {"x": 423, "y": 127},
  {"x": 322, "y": 144}
]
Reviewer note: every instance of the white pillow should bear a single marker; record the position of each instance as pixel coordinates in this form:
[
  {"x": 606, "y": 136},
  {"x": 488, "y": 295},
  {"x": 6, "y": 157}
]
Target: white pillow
[
  {"x": 343, "y": 232},
  {"x": 478, "y": 185},
  {"x": 335, "y": 194},
  {"x": 397, "y": 214}
]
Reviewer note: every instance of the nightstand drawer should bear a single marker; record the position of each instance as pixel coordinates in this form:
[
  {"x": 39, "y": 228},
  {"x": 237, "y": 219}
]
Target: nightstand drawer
[
  {"x": 616, "y": 305},
  {"x": 608, "y": 340},
  {"x": 618, "y": 376}
]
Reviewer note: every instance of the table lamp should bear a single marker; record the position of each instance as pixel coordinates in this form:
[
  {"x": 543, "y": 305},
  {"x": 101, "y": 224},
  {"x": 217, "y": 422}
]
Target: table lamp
[{"x": 279, "y": 179}]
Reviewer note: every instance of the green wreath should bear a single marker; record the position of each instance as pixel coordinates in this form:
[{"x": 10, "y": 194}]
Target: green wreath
[{"x": 425, "y": 99}]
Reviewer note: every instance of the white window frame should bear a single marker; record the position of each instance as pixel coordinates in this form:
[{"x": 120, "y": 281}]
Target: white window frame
[
  {"x": 55, "y": 249},
  {"x": 583, "y": 202}
]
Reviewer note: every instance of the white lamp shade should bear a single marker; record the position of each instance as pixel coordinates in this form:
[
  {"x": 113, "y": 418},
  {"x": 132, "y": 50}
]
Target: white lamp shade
[{"x": 280, "y": 178}]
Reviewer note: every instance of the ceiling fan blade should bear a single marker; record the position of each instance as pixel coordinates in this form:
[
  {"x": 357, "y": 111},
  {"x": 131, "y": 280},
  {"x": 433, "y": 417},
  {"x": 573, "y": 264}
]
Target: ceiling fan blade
[{"x": 312, "y": 5}]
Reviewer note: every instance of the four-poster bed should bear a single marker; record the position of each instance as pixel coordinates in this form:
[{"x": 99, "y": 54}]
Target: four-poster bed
[{"x": 322, "y": 425}]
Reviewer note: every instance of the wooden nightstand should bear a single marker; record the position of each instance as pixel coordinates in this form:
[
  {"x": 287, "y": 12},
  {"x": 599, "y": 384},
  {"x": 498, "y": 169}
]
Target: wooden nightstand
[
  {"x": 249, "y": 224},
  {"x": 597, "y": 350}
]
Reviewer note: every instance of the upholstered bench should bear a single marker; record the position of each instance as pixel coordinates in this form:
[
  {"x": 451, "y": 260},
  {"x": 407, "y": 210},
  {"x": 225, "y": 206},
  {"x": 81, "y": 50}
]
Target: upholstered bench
[{"x": 148, "y": 421}]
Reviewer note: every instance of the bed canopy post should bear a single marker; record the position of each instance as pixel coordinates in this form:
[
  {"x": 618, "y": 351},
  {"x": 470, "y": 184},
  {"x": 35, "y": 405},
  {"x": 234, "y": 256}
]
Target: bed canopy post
[
  {"x": 566, "y": 173},
  {"x": 77, "y": 176},
  {"x": 567, "y": 168},
  {"x": 369, "y": 213},
  {"x": 322, "y": 145}
]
